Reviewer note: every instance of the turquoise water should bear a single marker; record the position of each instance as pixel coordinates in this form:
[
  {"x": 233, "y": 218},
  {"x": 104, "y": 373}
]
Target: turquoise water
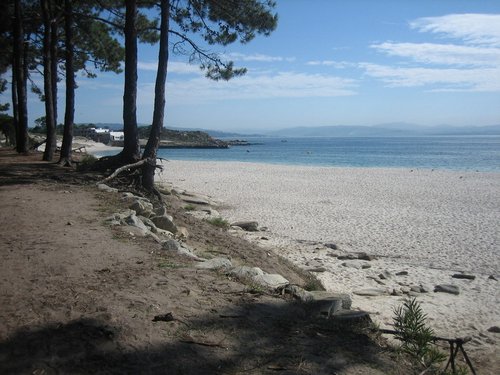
[{"x": 441, "y": 152}]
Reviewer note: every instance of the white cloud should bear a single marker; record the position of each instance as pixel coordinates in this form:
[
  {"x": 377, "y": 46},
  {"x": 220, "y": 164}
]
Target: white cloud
[
  {"x": 173, "y": 67},
  {"x": 258, "y": 86},
  {"x": 257, "y": 57},
  {"x": 472, "y": 65},
  {"x": 478, "y": 29},
  {"x": 333, "y": 63},
  {"x": 449, "y": 54},
  {"x": 450, "y": 79}
]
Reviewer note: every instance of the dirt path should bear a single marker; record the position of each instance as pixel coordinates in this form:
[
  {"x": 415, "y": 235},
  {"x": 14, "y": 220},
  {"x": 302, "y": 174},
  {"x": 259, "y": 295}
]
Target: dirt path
[{"x": 78, "y": 297}]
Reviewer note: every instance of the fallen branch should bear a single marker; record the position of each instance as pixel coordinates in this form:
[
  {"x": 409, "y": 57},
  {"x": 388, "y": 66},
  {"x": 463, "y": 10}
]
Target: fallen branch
[{"x": 127, "y": 167}]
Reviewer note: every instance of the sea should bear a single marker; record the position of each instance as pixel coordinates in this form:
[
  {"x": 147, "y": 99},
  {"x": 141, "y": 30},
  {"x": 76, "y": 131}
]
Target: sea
[{"x": 473, "y": 153}]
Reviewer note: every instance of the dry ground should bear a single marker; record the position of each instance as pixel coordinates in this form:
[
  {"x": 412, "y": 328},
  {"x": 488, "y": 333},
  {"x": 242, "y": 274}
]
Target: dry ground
[{"x": 78, "y": 297}]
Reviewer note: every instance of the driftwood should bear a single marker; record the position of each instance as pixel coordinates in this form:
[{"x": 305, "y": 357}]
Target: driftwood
[
  {"x": 127, "y": 167},
  {"x": 455, "y": 346}
]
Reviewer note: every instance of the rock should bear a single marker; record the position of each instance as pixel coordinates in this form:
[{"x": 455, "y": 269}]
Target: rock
[
  {"x": 402, "y": 273},
  {"x": 195, "y": 200},
  {"x": 384, "y": 275},
  {"x": 171, "y": 245},
  {"x": 317, "y": 269},
  {"x": 405, "y": 289},
  {"x": 134, "y": 231},
  {"x": 215, "y": 263},
  {"x": 331, "y": 245},
  {"x": 370, "y": 292},
  {"x": 107, "y": 188},
  {"x": 494, "y": 329},
  {"x": 491, "y": 277},
  {"x": 415, "y": 288},
  {"x": 245, "y": 272},
  {"x": 347, "y": 257},
  {"x": 165, "y": 222},
  {"x": 142, "y": 207},
  {"x": 396, "y": 292},
  {"x": 160, "y": 211},
  {"x": 134, "y": 221},
  {"x": 376, "y": 279},
  {"x": 249, "y": 226},
  {"x": 327, "y": 303},
  {"x": 424, "y": 289},
  {"x": 356, "y": 264},
  {"x": 182, "y": 232},
  {"x": 463, "y": 276},
  {"x": 447, "y": 288},
  {"x": 365, "y": 256},
  {"x": 272, "y": 281}
]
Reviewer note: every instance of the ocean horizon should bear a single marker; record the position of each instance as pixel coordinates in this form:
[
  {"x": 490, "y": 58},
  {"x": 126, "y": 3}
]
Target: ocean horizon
[{"x": 471, "y": 153}]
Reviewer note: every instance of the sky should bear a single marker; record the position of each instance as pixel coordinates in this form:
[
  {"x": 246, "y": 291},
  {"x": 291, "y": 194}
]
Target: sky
[{"x": 329, "y": 62}]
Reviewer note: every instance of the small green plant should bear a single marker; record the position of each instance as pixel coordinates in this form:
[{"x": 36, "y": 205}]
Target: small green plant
[
  {"x": 312, "y": 283},
  {"x": 189, "y": 207},
  {"x": 417, "y": 338},
  {"x": 218, "y": 222},
  {"x": 168, "y": 264},
  {"x": 86, "y": 162}
]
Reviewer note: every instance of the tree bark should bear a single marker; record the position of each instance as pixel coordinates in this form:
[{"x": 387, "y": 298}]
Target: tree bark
[
  {"x": 15, "y": 107},
  {"x": 19, "y": 63},
  {"x": 150, "y": 152},
  {"x": 50, "y": 145},
  {"x": 54, "y": 60},
  {"x": 69, "y": 114},
  {"x": 131, "y": 148}
]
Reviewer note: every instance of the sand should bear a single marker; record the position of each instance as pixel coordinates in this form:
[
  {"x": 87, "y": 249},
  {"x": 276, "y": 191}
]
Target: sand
[{"x": 430, "y": 223}]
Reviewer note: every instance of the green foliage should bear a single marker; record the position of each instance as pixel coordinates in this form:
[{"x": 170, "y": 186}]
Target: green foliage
[
  {"x": 416, "y": 337},
  {"x": 87, "y": 162},
  {"x": 189, "y": 207},
  {"x": 218, "y": 222}
]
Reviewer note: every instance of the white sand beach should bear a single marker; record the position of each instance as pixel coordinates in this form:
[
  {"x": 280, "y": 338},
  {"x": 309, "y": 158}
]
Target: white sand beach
[{"x": 429, "y": 223}]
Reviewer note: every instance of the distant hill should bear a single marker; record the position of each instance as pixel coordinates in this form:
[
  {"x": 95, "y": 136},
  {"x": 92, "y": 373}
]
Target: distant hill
[{"x": 384, "y": 130}]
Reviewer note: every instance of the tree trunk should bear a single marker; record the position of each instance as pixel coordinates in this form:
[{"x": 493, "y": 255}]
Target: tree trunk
[
  {"x": 148, "y": 171},
  {"x": 15, "y": 106},
  {"x": 54, "y": 60},
  {"x": 69, "y": 113},
  {"x": 131, "y": 149},
  {"x": 50, "y": 145},
  {"x": 22, "y": 107}
]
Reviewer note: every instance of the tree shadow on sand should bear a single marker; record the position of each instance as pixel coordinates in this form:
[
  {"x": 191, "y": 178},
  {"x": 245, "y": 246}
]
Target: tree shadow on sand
[{"x": 270, "y": 336}]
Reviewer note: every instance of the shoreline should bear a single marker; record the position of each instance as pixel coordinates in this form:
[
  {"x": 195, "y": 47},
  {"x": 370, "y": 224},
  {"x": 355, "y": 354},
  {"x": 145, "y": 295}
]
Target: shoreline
[{"x": 429, "y": 223}]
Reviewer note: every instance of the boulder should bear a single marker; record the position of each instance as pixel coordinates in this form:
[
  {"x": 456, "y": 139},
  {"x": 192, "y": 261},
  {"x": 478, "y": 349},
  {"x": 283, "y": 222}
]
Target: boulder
[
  {"x": 245, "y": 272},
  {"x": 134, "y": 231},
  {"x": 249, "y": 226},
  {"x": 447, "y": 288},
  {"x": 107, "y": 188},
  {"x": 142, "y": 207},
  {"x": 494, "y": 329},
  {"x": 272, "y": 281},
  {"x": 370, "y": 292},
  {"x": 134, "y": 221},
  {"x": 215, "y": 263},
  {"x": 463, "y": 276},
  {"x": 358, "y": 264},
  {"x": 164, "y": 222},
  {"x": 171, "y": 245}
]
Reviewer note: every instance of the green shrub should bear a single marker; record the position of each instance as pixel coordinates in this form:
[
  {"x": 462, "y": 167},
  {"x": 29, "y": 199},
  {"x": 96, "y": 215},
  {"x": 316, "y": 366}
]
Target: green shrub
[
  {"x": 218, "y": 222},
  {"x": 417, "y": 338},
  {"x": 86, "y": 162}
]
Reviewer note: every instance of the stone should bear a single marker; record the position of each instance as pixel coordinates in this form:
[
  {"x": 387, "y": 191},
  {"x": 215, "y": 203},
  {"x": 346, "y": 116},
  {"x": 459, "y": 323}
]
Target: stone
[
  {"x": 249, "y": 226},
  {"x": 491, "y": 277},
  {"x": 107, "y": 188},
  {"x": 396, "y": 292},
  {"x": 424, "y": 289},
  {"x": 171, "y": 245},
  {"x": 347, "y": 257},
  {"x": 245, "y": 272},
  {"x": 447, "y": 288},
  {"x": 405, "y": 289},
  {"x": 134, "y": 231},
  {"x": 160, "y": 211},
  {"x": 195, "y": 200},
  {"x": 215, "y": 263},
  {"x": 142, "y": 207},
  {"x": 182, "y": 232},
  {"x": 298, "y": 292},
  {"x": 415, "y": 288},
  {"x": 272, "y": 281},
  {"x": 402, "y": 273},
  {"x": 463, "y": 276},
  {"x": 494, "y": 329},
  {"x": 357, "y": 264},
  {"x": 134, "y": 221},
  {"x": 165, "y": 222},
  {"x": 370, "y": 292},
  {"x": 327, "y": 303},
  {"x": 384, "y": 275},
  {"x": 365, "y": 256},
  {"x": 331, "y": 245}
]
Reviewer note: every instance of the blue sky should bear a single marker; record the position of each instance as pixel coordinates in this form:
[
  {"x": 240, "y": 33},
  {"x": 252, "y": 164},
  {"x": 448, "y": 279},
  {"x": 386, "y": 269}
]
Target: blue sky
[{"x": 356, "y": 62}]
